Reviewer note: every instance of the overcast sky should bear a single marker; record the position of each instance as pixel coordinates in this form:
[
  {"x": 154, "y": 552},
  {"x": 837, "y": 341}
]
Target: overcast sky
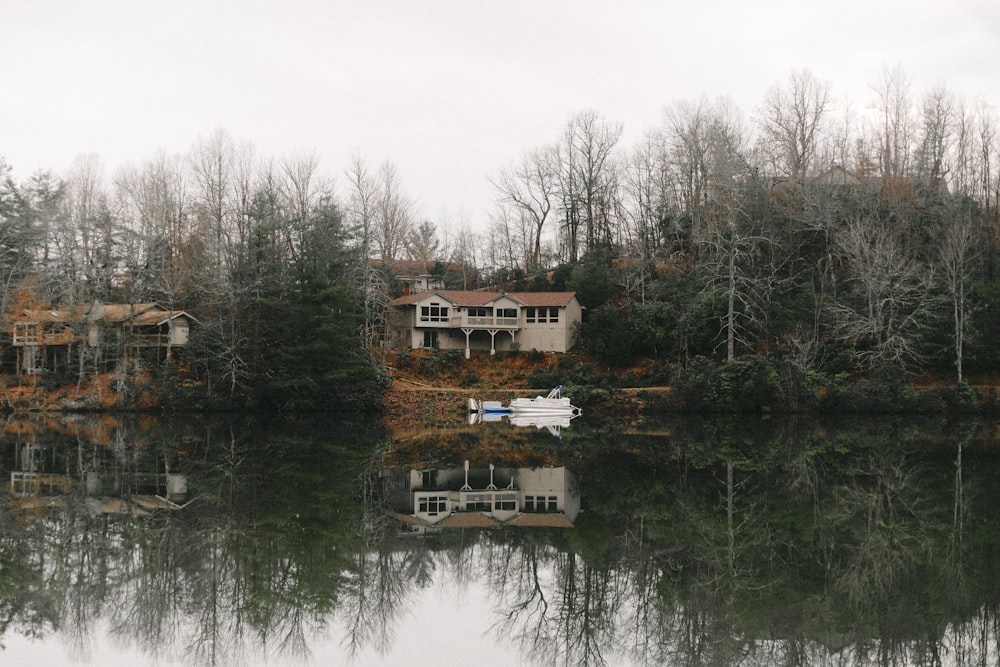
[{"x": 448, "y": 91}]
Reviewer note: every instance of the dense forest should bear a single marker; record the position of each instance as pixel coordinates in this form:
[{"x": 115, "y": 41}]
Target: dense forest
[{"x": 824, "y": 239}]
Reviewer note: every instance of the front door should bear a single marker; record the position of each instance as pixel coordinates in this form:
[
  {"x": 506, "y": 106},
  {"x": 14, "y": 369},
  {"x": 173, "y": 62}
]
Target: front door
[{"x": 431, "y": 339}]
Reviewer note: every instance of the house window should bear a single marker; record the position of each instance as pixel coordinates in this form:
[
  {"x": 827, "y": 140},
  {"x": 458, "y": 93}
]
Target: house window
[
  {"x": 431, "y": 339},
  {"x": 540, "y": 315},
  {"x": 553, "y": 314},
  {"x": 25, "y": 331},
  {"x": 433, "y": 505},
  {"x": 428, "y": 478},
  {"x": 541, "y": 504},
  {"x": 508, "y": 312},
  {"x": 434, "y": 312},
  {"x": 478, "y": 506},
  {"x": 477, "y": 312},
  {"x": 504, "y": 505}
]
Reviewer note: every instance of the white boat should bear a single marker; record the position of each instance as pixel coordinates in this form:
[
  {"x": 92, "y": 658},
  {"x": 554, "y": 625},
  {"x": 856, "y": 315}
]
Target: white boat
[{"x": 552, "y": 404}]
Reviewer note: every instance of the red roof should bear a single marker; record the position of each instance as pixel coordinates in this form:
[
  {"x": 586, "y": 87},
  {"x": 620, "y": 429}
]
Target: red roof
[
  {"x": 542, "y": 298},
  {"x": 473, "y": 298}
]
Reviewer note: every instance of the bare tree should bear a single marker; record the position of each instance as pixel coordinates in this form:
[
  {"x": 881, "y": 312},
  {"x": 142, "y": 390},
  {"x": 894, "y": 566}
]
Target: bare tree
[
  {"x": 74, "y": 239},
  {"x": 465, "y": 254},
  {"x": 531, "y": 187},
  {"x": 247, "y": 169},
  {"x": 647, "y": 187},
  {"x": 588, "y": 180},
  {"x": 739, "y": 259},
  {"x": 505, "y": 241},
  {"x": 888, "y": 305},
  {"x": 153, "y": 202},
  {"x": 957, "y": 251},
  {"x": 394, "y": 214},
  {"x": 895, "y": 131},
  {"x": 989, "y": 157},
  {"x": 700, "y": 139},
  {"x": 687, "y": 135},
  {"x": 212, "y": 161},
  {"x": 362, "y": 210},
  {"x": 792, "y": 120},
  {"x": 734, "y": 257},
  {"x": 935, "y": 136}
]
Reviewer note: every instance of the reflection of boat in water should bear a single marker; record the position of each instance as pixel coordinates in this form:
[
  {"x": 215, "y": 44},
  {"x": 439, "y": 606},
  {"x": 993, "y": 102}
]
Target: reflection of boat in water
[
  {"x": 552, "y": 422},
  {"x": 551, "y": 405}
]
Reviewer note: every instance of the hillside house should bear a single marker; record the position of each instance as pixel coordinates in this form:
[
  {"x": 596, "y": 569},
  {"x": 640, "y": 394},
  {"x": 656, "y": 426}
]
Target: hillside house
[
  {"x": 417, "y": 276},
  {"x": 46, "y": 338},
  {"x": 138, "y": 325},
  {"x": 43, "y": 337},
  {"x": 459, "y": 319}
]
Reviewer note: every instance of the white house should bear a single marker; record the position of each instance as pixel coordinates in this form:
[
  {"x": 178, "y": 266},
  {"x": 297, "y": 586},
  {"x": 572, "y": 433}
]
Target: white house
[{"x": 459, "y": 319}]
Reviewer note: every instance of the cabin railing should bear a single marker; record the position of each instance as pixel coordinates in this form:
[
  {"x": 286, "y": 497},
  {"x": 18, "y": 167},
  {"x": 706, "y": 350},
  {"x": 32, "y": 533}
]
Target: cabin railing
[{"x": 23, "y": 338}]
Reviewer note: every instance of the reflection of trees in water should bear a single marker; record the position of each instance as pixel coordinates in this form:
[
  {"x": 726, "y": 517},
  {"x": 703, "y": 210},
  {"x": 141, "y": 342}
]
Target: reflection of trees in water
[
  {"x": 568, "y": 624},
  {"x": 376, "y": 593},
  {"x": 880, "y": 521},
  {"x": 819, "y": 553},
  {"x": 251, "y": 568},
  {"x": 739, "y": 546}
]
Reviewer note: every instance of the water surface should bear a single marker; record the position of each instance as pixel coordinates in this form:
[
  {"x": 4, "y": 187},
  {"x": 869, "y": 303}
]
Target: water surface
[{"x": 691, "y": 542}]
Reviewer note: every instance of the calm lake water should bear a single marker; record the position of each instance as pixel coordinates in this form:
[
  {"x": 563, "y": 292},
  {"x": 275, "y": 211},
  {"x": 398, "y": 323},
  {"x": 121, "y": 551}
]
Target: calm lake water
[{"x": 710, "y": 541}]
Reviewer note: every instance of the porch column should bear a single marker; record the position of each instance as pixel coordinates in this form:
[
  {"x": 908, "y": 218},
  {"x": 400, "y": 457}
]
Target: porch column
[
  {"x": 467, "y": 332},
  {"x": 493, "y": 340}
]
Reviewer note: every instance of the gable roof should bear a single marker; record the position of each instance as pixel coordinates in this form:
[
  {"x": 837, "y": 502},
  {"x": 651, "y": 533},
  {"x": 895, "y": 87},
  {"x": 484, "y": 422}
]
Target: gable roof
[
  {"x": 468, "y": 298},
  {"x": 542, "y": 298},
  {"x": 161, "y": 316},
  {"x": 135, "y": 313},
  {"x": 47, "y": 316},
  {"x": 119, "y": 312}
]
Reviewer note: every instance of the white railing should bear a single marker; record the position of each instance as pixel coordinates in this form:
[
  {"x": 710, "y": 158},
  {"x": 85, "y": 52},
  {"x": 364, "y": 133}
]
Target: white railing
[
  {"x": 491, "y": 322},
  {"x": 463, "y": 321}
]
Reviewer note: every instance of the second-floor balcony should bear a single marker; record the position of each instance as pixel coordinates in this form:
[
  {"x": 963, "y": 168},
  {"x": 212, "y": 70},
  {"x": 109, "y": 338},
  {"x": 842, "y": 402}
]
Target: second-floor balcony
[
  {"x": 487, "y": 322},
  {"x": 34, "y": 335},
  {"x": 467, "y": 321}
]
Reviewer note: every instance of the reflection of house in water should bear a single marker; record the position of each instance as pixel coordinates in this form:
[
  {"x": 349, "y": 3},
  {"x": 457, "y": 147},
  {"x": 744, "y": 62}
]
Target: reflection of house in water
[
  {"x": 31, "y": 478},
  {"x": 39, "y": 473},
  {"x": 439, "y": 498}
]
